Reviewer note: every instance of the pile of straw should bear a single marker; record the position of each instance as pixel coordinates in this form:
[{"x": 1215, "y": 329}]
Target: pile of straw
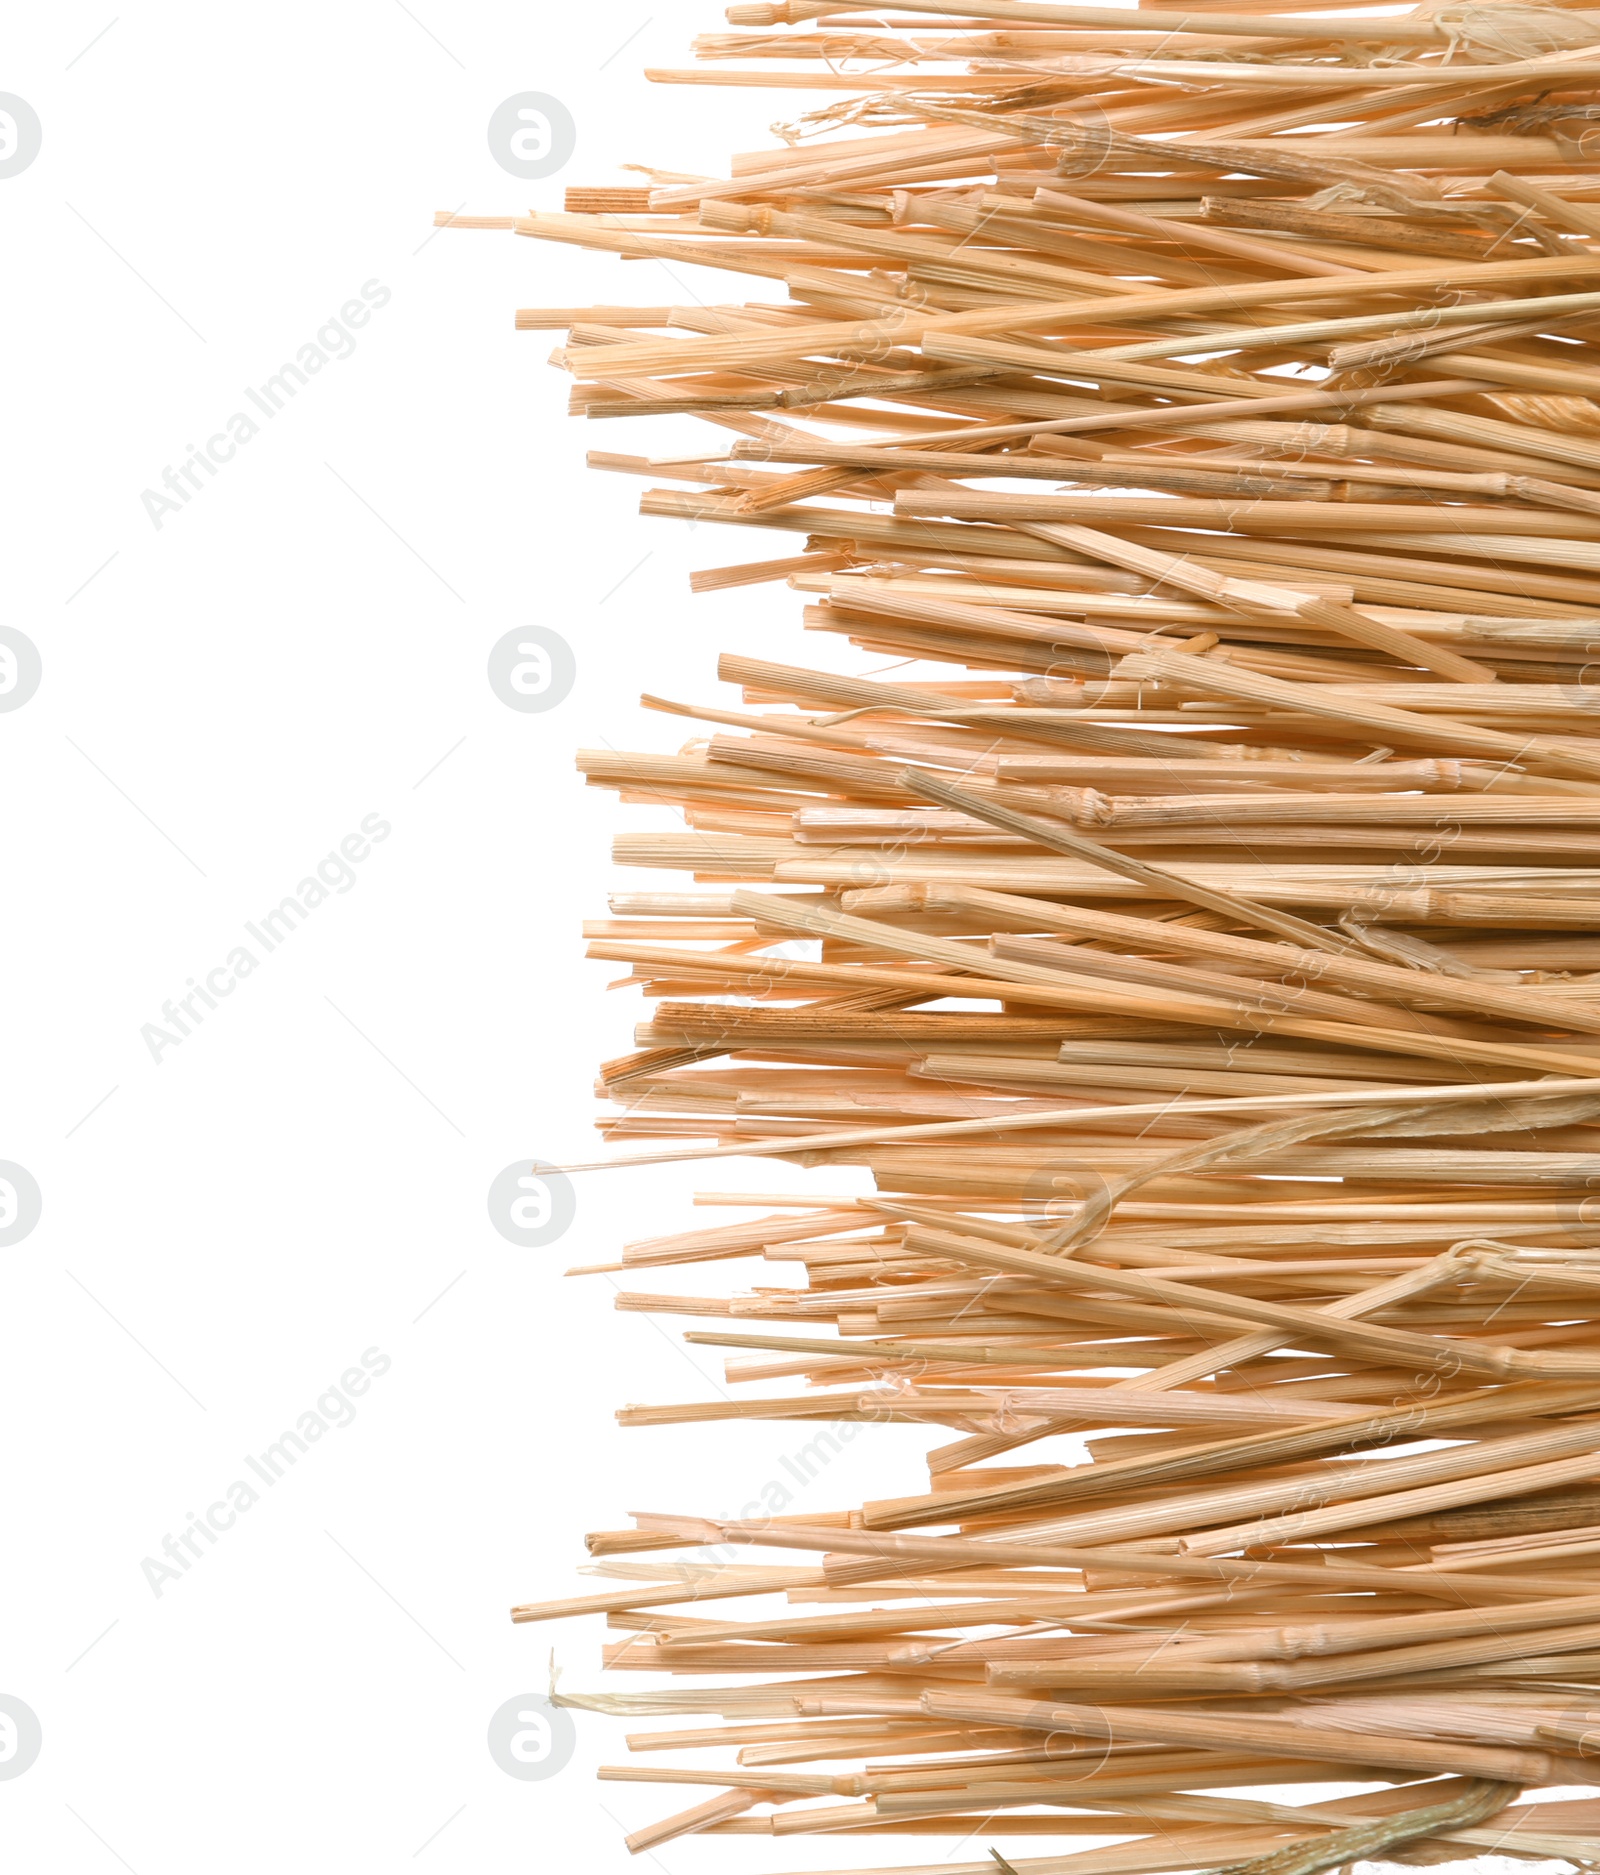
[{"x": 1192, "y": 939}]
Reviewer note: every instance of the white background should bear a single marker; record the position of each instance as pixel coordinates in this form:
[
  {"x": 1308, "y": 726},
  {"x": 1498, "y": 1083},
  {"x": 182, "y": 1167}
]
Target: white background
[{"x": 304, "y": 1177}]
